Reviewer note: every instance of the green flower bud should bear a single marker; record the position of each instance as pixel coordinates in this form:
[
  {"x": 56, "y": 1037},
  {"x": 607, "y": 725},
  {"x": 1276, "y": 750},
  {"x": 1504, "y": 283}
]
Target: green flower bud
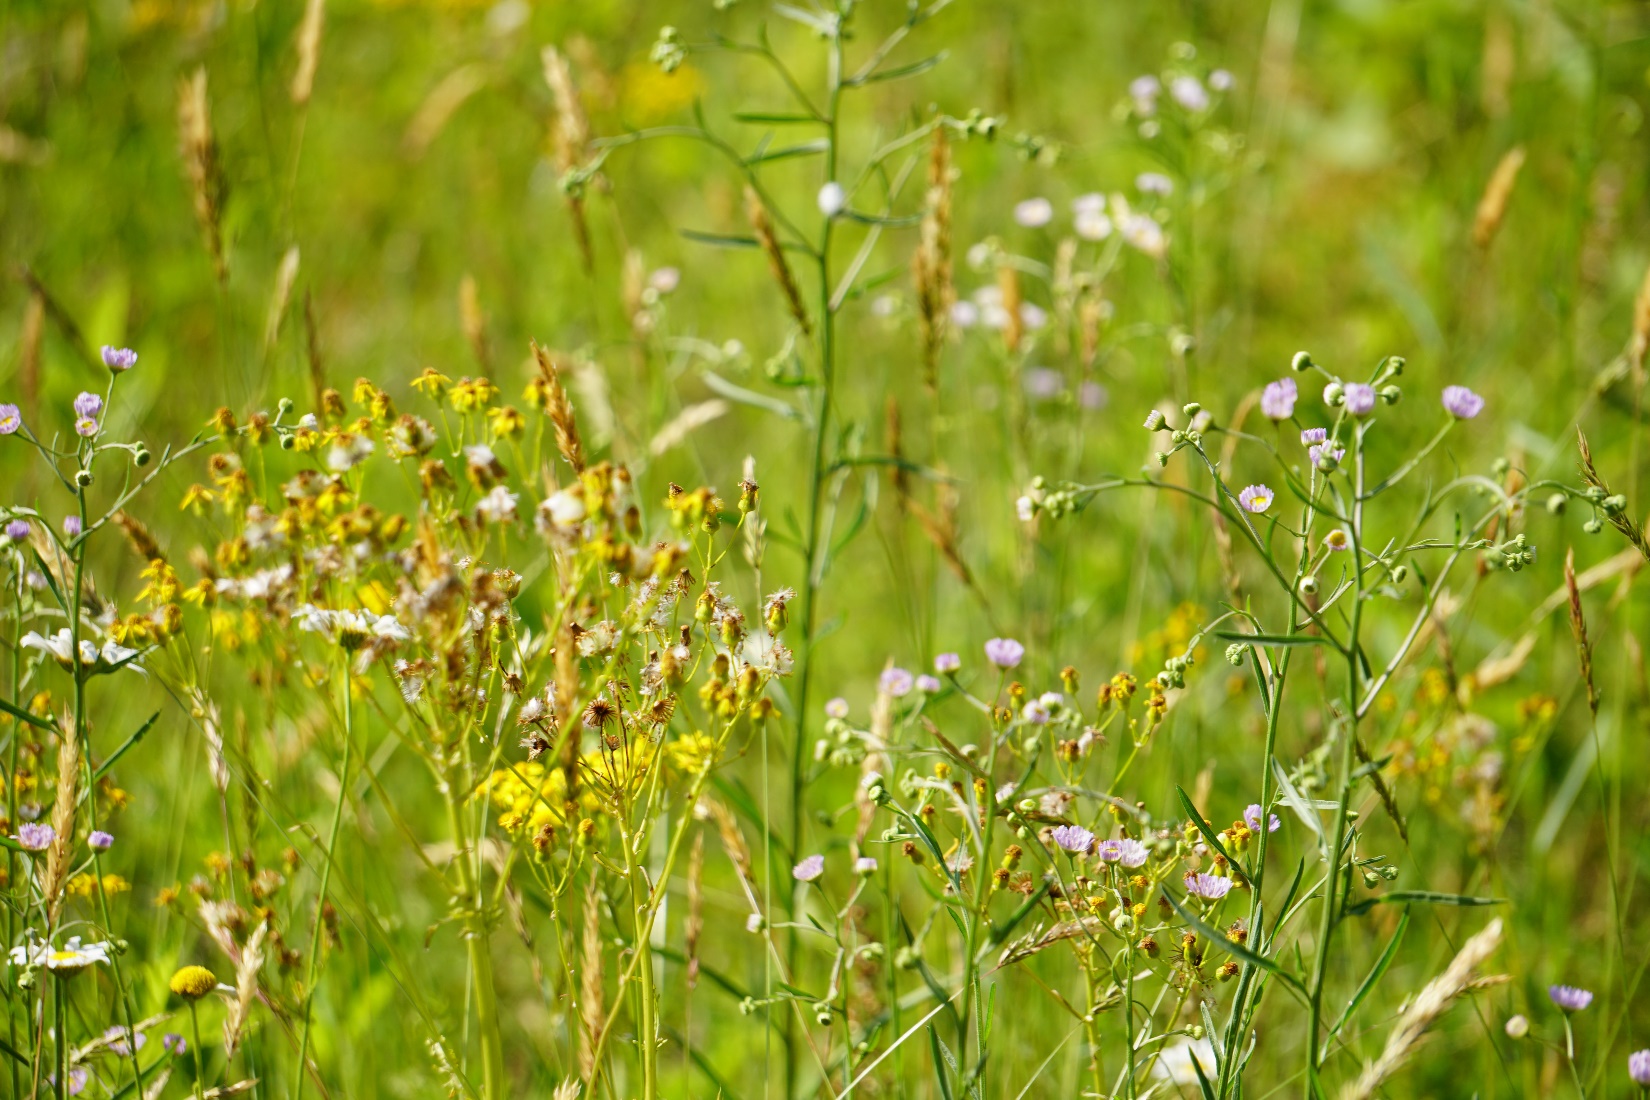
[{"x": 1301, "y": 362}]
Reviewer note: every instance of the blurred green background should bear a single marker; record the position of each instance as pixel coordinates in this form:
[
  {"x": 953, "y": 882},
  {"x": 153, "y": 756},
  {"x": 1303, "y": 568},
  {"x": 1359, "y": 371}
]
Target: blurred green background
[{"x": 1329, "y": 205}]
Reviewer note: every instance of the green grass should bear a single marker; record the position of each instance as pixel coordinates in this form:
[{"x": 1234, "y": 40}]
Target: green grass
[{"x": 1326, "y": 203}]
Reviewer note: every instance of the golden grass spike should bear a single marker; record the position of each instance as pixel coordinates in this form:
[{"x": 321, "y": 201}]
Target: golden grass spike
[
  {"x": 762, "y": 226},
  {"x": 1431, "y": 1003},
  {"x": 559, "y": 408},
  {"x": 59, "y": 857},
  {"x": 1492, "y": 207},
  {"x": 199, "y": 148},
  {"x": 309, "y": 51},
  {"x": 1578, "y": 627}
]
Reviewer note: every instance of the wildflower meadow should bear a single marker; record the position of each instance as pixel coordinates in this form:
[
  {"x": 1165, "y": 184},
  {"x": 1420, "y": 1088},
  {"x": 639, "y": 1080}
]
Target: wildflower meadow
[{"x": 930, "y": 549}]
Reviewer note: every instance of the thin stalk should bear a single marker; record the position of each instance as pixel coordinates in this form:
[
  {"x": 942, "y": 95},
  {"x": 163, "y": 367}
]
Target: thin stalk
[
  {"x": 326, "y": 880},
  {"x": 642, "y": 916},
  {"x": 477, "y": 950},
  {"x": 195, "y": 1039}
]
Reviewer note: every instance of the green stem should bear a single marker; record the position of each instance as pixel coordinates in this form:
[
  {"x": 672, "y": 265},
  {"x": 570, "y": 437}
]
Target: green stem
[
  {"x": 326, "y": 880},
  {"x": 642, "y": 915},
  {"x": 195, "y": 1038},
  {"x": 477, "y": 947}
]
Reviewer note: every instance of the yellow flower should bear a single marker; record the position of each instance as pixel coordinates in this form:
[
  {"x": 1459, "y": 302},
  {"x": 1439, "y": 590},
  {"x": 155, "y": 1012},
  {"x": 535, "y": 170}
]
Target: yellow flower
[
  {"x": 689, "y": 753},
  {"x": 507, "y": 422},
  {"x": 432, "y": 383},
  {"x": 196, "y": 498},
  {"x": 194, "y": 982}
]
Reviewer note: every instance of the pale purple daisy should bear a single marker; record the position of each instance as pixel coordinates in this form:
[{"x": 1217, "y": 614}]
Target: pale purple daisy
[
  {"x": 1462, "y": 403},
  {"x": 1360, "y": 398},
  {"x": 1320, "y": 451},
  {"x": 85, "y": 427},
  {"x": 116, "y": 1038},
  {"x": 1073, "y": 838},
  {"x": 1004, "y": 652},
  {"x": 865, "y": 865},
  {"x": 1036, "y": 712},
  {"x": 1144, "y": 91},
  {"x": 928, "y": 685},
  {"x": 1638, "y": 1067},
  {"x": 35, "y": 837},
  {"x": 1569, "y": 998},
  {"x": 1154, "y": 183},
  {"x": 947, "y": 663},
  {"x": 174, "y": 1043},
  {"x": 1213, "y": 887},
  {"x": 1188, "y": 92},
  {"x": 1251, "y": 818},
  {"x": 100, "y": 840},
  {"x": 88, "y": 405},
  {"x": 1310, "y": 436},
  {"x": 1256, "y": 498},
  {"x": 10, "y": 419},
  {"x": 1127, "y": 851},
  {"x": 809, "y": 869},
  {"x": 119, "y": 359},
  {"x": 836, "y": 708},
  {"x": 1034, "y": 213},
  {"x": 1277, "y": 400},
  {"x": 895, "y": 681},
  {"x": 17, "y": 530},
  {"x": 71, "y": 526}
]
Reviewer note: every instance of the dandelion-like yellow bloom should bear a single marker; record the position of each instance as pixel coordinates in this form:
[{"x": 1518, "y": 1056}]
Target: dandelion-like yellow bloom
[{"x": 194, "y": 982}]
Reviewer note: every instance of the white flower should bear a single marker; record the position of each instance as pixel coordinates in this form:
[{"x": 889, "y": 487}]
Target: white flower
[
  {"x": 564, "y": 508},
  {"x": 1092, "y": 225},
  {"x": 832, "y": 199},
  {"x": 1189, "y": 93},
  {"x": 498, "y": 506},
  {"x": 59, "y": 645},
  {"x": 480, "y": 454},
  {"x": 315, "y": 619},
  {"x": 1034, "y": 213},
  {"x": 73, "y": 955},
  {"x": 389, "y": 627},
  {"x": 1174, "y": 1064},
  {"x": 665, "y": 280},
  {"x": 348, "y": 452},
  {"x": 1026, "y": 509},
  {"x": 1144, "y": 233}
]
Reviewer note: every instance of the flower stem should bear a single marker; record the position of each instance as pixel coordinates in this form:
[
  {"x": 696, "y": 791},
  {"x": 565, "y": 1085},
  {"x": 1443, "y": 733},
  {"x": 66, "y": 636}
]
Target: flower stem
[{"x": 195, "y": 1038}]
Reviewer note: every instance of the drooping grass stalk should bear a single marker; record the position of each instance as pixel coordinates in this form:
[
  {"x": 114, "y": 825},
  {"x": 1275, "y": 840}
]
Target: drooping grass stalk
[{"x": 326, "y": 880}]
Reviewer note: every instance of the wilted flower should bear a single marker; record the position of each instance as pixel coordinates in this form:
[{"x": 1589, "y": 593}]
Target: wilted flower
[
  {"x": 1033, "y": 213},
  {"x": 836, "y": 708},
  {"x": 1251, "y": 818},
  {"x": 1360, "y": 398},
  {"x": 1318, "y": 452},
  {"x": 498, "y": 506},
  {"x": 1459, "y": 402},
  {"x": 1189, "y": 93},
  {"x": 1126, "y": 850},
  {"x": 1213, "y": 887},
  {"x": 1255, "y": 498},
  {"x": 895, "y": 681},
  {"x": 1569, "y": 998},
  {"x": 1277, "y": 400},
  {"x": 947, "y": 663},
  {"x": 1073, "y": 838},
  {"x": 832, "y": 199},
  {"x": 1004, "y": 652},
  {"x": 35, "y": 837},
  {"x": 809, "y": 869},
  {"x": 119, "y": 359}
]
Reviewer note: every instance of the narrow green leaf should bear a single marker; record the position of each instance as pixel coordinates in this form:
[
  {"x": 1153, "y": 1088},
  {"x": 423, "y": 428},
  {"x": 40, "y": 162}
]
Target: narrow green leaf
[
  {"x": 1375, "y": 974},
  {"x": 779, "y": 118},
  {"x": 1272, "y": 639},
  {"x": 24, "y": 716},
  {"x": 720, "y": 240},
  {"x": 1420, "y": 897},
  {"x": 1218, "y": 939},
  {"x": 126, "y": 745},
  {"x": 1297, "y": 803},
  {"x": 788, "y": 152},
  {"x": 1203, "y": 826}
]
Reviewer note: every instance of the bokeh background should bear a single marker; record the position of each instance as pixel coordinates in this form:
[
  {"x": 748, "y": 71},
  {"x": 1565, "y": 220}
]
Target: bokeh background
[{"x": 1328, "y": 204}]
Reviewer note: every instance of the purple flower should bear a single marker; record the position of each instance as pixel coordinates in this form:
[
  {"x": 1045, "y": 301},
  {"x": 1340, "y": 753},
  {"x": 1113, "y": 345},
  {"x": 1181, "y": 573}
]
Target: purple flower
[
  {"x": 1638, "y": 1067},
  {"x": 88, "y": 405},
  {"x": 1251, "y": 818},
  {"x": 1314, "y": 435},
  {"x": 1318, "y": 452},
  {"x": 928, "y": 685},
  {"x": 1189, "y": 93},
  {"x": 1459, "y": 402},
  {"x": 1213, "y": 887},
  {"x": 947, "y": 663},
  {"x": 119, "y": 359},
  {"x": 1127, "y": 851},
  {"x": 100, "y": 841},
  {"x": 1073, "y": 838},
  {"x": 35, "y": 837},
  {"x": 1091, "y": 395},
  {"x": 85, "y": 427},
  {"x": 173, "y": 1043},
  {"x": 1255, "y": 498},
  {"x": 1154, "y": 183},
  {"x": 71, "y": 526},
  {"x": 895, "y": 681},
  {"x": 1036, "y": 712},
  {"x": 1569, "y": 998},
  {"x": 17, "y": 530},
  {"x": 1360, "y": 398},
  {"x": 10, "y": 419},
  {"x": 116, "y": 1038},
  {"x": 1004, "y": 652},
  {"x": 78, "y": 1076},
  {"x": 809, "y": 869},
  {"x": 865, "y": 865},
  {"x": 1277, "y": 400}
]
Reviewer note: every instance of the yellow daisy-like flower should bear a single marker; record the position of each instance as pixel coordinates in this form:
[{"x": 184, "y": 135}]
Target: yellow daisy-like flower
[{"x": 193, "y": 982}]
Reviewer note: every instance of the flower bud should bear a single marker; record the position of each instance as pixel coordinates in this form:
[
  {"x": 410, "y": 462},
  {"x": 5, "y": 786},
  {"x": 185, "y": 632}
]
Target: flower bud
[
  {"x": 141, "y": 457},
  {"x": 1391, "y": 394},
  {"x": 1309, "y": 585},
  {"x": 1333, "y": 394},
  {"x": 1156, "y": 421},
  {"x": 1301, "y": 362},
  {"x": 1556, "y": 504},
  {"x": 1518, "y": 1027},
  {"x": 83, "y": 478},
  {"x": 1592, "y": 527}
]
